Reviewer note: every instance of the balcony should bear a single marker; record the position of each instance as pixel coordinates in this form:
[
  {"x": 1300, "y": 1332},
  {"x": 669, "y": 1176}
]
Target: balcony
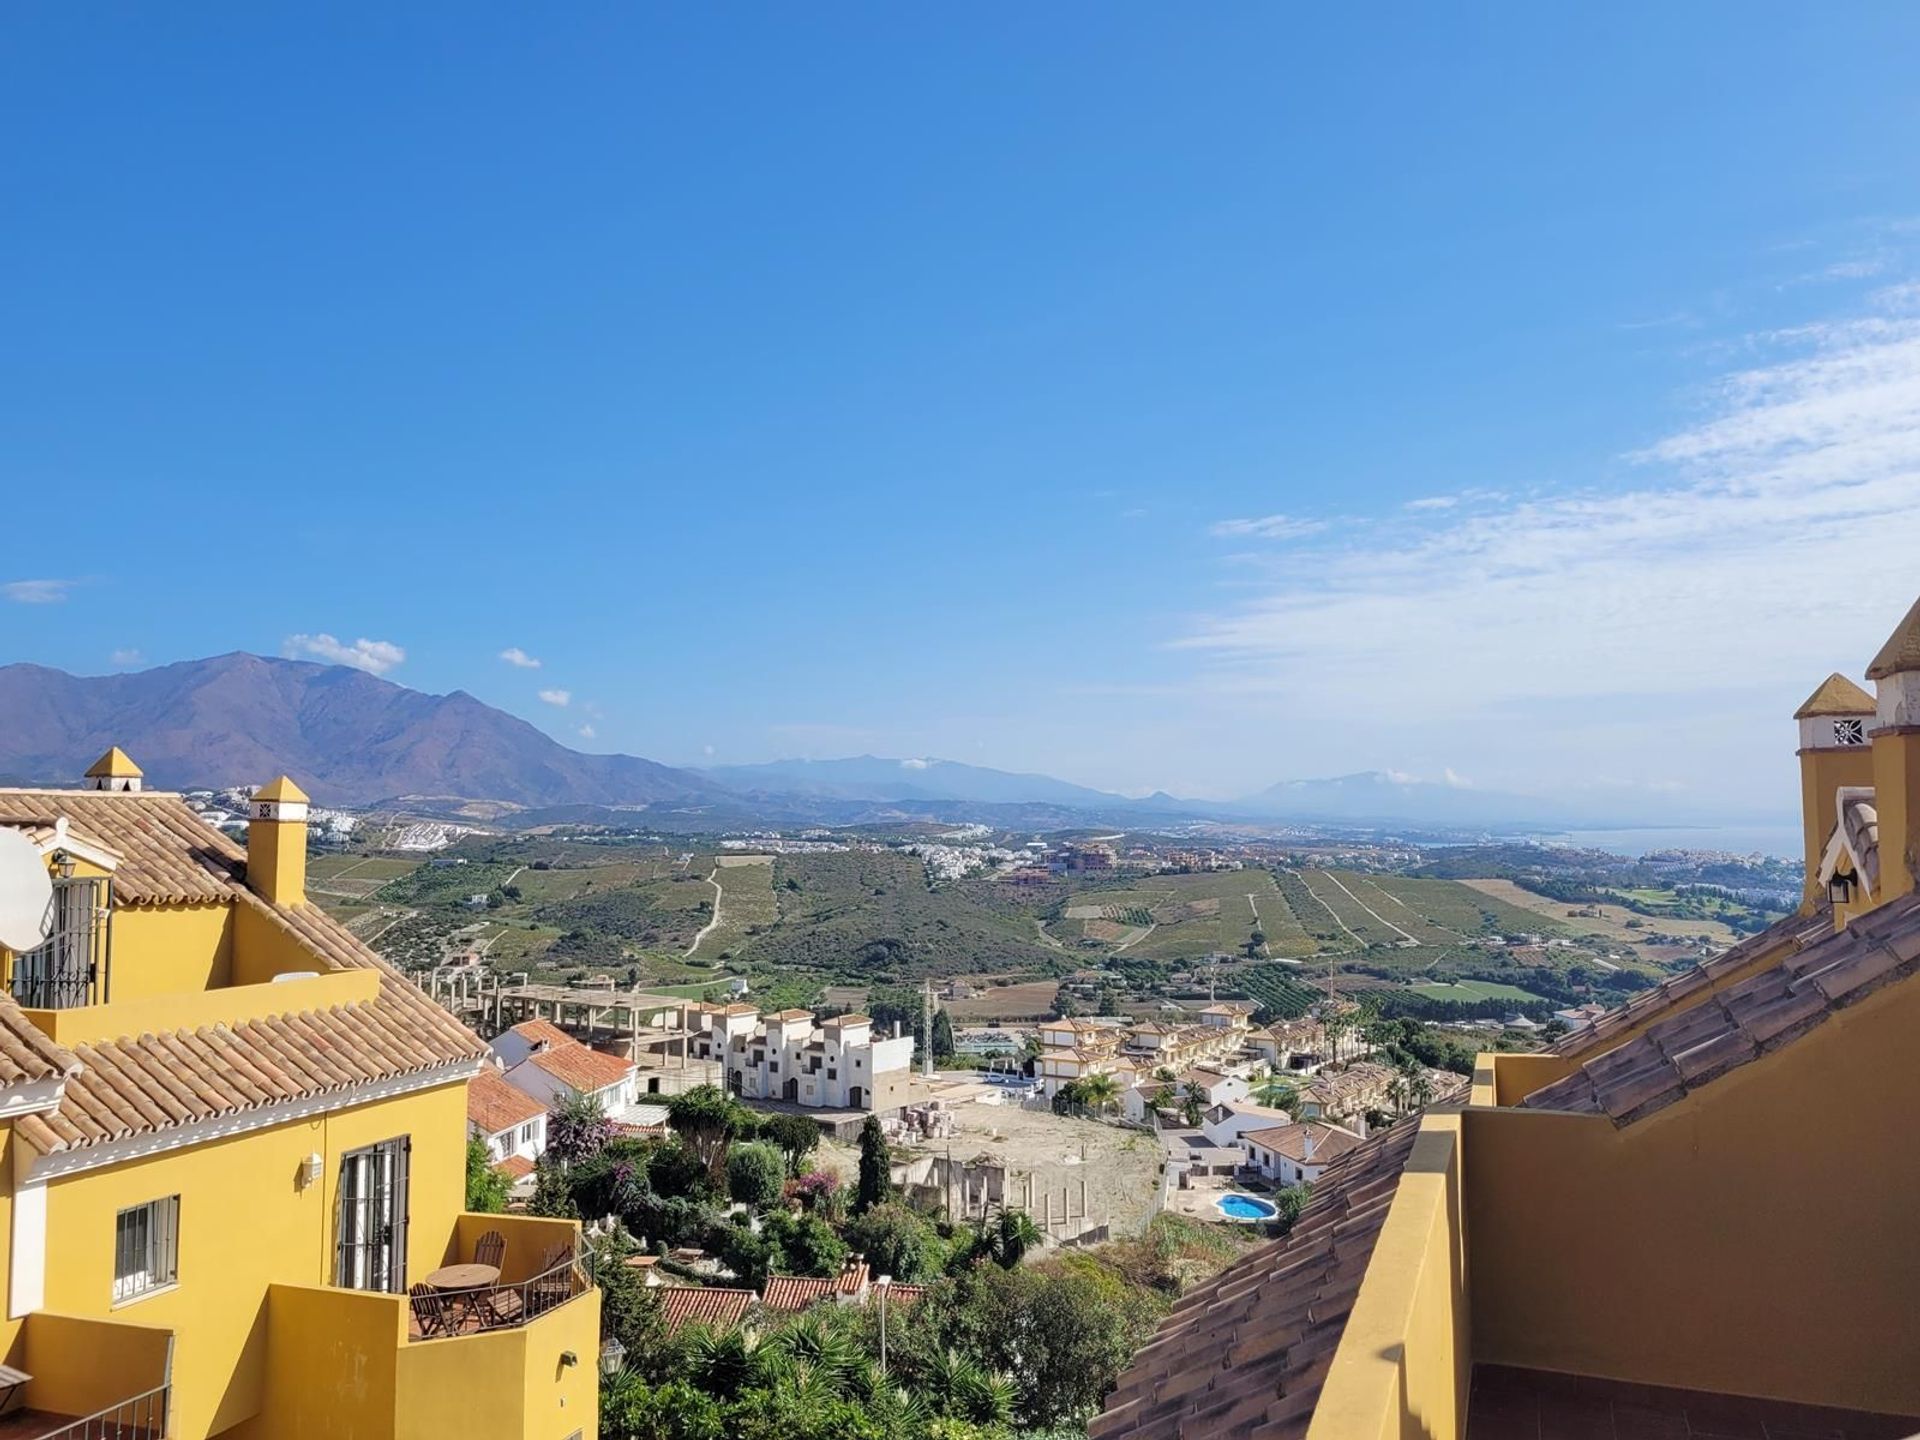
[
  {"x": 518, "y": 1359},
  {"x": 90, "y": 1380}
]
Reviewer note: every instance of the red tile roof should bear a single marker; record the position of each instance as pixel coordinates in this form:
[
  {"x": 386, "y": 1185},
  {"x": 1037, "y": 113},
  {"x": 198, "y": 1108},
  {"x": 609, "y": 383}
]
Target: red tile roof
[
  {"x": 1732, "y": 1027},
  {"x": 515, "y": 1167},
  {"x": 1329, "y": 1142},
  {"x": 1244, "y": 1356},
  {"x": 798, "y": 1292},
  {"x": 702, "y": 1305},
  {"x": 581, "y": 1067},
  {"x": 542, "y": 1032},
  {"x": 495, "y": 1105}
]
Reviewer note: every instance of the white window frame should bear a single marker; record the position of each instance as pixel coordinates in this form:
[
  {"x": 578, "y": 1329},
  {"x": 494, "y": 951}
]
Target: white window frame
[
  {"x": 146, "y": 1249},
  {"x": 526, "y": 1132}
]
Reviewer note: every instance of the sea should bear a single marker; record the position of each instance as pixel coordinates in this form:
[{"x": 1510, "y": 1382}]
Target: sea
[{"x": 1783, "y": 841}]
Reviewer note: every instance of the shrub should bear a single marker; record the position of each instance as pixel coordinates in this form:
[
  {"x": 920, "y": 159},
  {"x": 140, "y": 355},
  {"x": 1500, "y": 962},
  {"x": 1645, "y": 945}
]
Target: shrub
[{"x": 756, "y": 1173}]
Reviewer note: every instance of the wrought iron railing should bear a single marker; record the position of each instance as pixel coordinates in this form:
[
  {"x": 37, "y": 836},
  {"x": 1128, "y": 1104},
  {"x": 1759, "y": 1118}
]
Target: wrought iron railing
[
  {"x": 144, "y": 1417},
  {"x": 73, "y": 967},
  {"x": 468, "y": 1311}
]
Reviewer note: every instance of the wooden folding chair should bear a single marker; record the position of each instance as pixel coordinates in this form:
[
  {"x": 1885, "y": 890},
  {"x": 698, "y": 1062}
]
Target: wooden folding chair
[{"x": 430, "y": 1311}]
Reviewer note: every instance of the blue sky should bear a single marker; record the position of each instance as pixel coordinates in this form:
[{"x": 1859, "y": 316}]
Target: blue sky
[{"x": 1157, "y": 397}]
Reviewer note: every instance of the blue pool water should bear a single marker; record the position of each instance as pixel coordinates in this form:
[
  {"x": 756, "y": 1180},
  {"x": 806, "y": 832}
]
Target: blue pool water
[{"x": 1245, "y": 1207}]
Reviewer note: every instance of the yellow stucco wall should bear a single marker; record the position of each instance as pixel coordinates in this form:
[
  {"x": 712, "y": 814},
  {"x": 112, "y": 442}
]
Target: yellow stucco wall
[
  {"x": 1755, "y": 1238},
  {"x": 168, "y": 949},
  {"x": 1896, "y": 798},
  {"x": 83, "y": 1365},
  {"x": 1402, "y": 1369},
  {"x": 466, "y": 1386},
  {"x": 246, "y": 1221}
]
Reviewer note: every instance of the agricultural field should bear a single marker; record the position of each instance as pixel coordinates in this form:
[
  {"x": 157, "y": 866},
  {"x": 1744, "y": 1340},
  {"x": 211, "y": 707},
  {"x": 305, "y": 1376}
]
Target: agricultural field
[
  {"x": 746, "y": 903},
  {"x": 1470, "y": 990},
  {"x": 1029, "y": 1000},
  {"x": 1360, "y": 924},
  {"x": 1460, "y": 911},
  {"x": 1609, "y": 922},
  {"x": 1276, "y": 987},
  {"x": 354, "y": 877},
  {"x": 1185, "y": 917}
]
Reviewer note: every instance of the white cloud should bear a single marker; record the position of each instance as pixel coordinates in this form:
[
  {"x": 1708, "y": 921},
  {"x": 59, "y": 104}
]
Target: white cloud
[
  {"x": 706, "y": 749},
  {"x": 915, "y": 764},
  {"x": 1268, "y": 527},
  {"x": 1453, "y": 778},
  {"x": 128, "y": 656},
  {"x": 562, "y": 698},
  {"x": 587, "y": 732},
  {"x": 36, "y": 592},
  {"x": 1754, "y": 550},
  {"x": 519, "y": 658},
  {"x": 1434, "y": 502},
  {"x": 376, "y": 657}
]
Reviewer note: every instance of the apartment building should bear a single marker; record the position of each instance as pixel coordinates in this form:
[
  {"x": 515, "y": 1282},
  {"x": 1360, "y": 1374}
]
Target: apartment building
[{"x": 835, "y": 1064}]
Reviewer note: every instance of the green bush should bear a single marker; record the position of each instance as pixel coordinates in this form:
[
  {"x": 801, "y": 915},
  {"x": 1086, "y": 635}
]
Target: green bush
[{"x": 756, "y": 1173}]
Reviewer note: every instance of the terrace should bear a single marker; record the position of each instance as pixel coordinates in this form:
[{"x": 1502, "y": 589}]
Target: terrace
[{"x": 88, "y": 1379}]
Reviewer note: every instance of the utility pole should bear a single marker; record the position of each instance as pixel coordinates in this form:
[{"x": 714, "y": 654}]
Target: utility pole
[{"x": 926, "y": 1028}]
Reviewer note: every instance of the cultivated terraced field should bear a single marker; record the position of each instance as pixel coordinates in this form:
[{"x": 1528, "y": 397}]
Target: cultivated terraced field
[{"x": 1187, "y": 917}]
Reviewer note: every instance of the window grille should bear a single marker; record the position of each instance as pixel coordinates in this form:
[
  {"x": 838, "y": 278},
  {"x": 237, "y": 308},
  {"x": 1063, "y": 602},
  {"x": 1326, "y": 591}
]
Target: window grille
[
  {"x": 371, "y": 1237},
  {"x": 146, "y": 1248},
  {"x": 72, "y": 968}
]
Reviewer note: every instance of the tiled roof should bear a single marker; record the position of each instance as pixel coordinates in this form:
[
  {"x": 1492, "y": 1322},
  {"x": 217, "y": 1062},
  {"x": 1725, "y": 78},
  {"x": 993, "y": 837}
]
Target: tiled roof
[
  {"x": 1244, "y": 1356},
  {"x": 1743, "y": 1022},
  {"x": 515, "y": 1167},
  {"x": 26, "y": 1054},
  {"x": 542, "y": 1032},
  {"x": 798, "y": 1292},
  {"x": 904, "y": 1294},
  {"x": 1902, "y": 650},
  {"x": 1788, "y": 936},
  {"x": 1360, "y": 1080},
  {"x": 702, "y": 1304},
  {"x": 495, "y": 1105},
  {"x": 582, "y": 1068},
  {"x": 1837, "y": 695},
  {"x": 135, "y": 1085},
  {"x": 1329, "y": 1142},
  {"x": 841, "y": 1022},
  {"x": 168, "y": 853}
]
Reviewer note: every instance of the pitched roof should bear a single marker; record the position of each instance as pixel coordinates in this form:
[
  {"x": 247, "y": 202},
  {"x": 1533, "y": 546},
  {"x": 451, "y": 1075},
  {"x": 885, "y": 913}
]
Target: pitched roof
[
  {"x": 168, "y": 854},
  {"x": 702, "y": 1304},
  {"x": 1902, "y": 650},
  {"x": 798, "y": 1292},
  {"x": 26, "y": 1053},
  {"x": 1738, "y": 1025},
  {"x": 542, "y": 1032},
  {"x": 581, "y": 1067},
  {"x": 1361, "y": 1078},
  {"x": 515, "y": 1167},
  {"x": 495, "y": 1105},
  {"x": 843, "y": 1021},
  {"x": 1837, "y": 695},
  {"x": 1246, "y": 1354},
  {"x": 281, "y": 787},
  {"x": 135, "y": 1085},
  {"x": 1329, "y": 1142},
  {"x": 116, "y": 764},
  {"x": 1786, "y": 936}
]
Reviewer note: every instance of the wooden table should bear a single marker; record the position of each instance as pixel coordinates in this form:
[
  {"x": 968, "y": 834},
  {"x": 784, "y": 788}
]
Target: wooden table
[{"x": 465, "y": 1285}]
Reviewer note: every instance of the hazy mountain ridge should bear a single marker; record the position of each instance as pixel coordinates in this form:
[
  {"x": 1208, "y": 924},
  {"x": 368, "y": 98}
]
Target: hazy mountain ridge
[{"x": 355, "y": 739}]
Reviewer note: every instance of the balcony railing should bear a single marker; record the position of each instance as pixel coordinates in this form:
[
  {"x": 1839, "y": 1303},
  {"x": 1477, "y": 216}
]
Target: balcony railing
[
  {"x": 144, "y": 1417},
  {"x": 72, "y": 968},
  {"x": 435, "y": 1314}
]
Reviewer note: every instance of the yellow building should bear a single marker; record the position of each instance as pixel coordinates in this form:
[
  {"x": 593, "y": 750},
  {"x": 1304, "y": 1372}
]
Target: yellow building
[
  {"x": 1696, "y": 1216},
  {"x": 234, "y": 1138}
]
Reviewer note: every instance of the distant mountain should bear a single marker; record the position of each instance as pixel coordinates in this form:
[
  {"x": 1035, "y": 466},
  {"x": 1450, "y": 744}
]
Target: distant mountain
[
  {"x": 867, "y": 777},
  {"x": 1373, "y": 797},
  {"x": 350, "y": 738}
]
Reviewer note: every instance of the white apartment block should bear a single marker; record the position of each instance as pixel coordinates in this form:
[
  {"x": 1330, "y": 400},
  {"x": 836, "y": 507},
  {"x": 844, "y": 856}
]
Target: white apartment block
[{"x": 837, "y": 1064}]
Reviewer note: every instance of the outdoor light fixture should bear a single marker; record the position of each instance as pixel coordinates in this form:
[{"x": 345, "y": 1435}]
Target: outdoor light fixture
[
  {"x": 1840, "y": 888},
  {"x": 310, "y": 1171},
  {"x": 568, "y": 1359},
  {"x": 612, "y": 1356},
  {"x": 63, "y": 862}
]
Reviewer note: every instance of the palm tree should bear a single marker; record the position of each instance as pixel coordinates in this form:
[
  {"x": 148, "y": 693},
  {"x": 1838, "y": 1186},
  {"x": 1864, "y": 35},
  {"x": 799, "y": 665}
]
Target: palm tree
[{"x": 1098, "y": 1092}]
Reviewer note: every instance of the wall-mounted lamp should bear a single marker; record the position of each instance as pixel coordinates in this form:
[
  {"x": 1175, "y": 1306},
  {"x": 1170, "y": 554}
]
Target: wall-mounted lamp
[
  {"x": 612, "y": 1356},
  {"x": 1840, "y": 888},
  {"x": 568, "y": 1359},
  {"x": 310, "y": 1169}
]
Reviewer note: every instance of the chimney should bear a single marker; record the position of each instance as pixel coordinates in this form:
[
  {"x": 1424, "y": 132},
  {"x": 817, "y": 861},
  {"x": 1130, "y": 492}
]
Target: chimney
[
  {"x": 1306, "y": 1146},
  {"x": 1896, "y": 754},
  {"x": 1834, "y": 726},
  {"x": 277, "y": 843},
  {"x": 114, "y": 770}
]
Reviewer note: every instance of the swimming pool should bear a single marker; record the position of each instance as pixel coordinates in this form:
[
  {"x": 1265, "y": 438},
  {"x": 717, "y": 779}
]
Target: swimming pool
[{"x": 1245, "y": 1207}]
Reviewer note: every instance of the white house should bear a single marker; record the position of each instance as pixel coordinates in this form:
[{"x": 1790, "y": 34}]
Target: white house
[
  {"x": 834, "y": 1064},
  {"x": 1225, "y": 1124},
  {"x": 511, "y": 1121},
  {"x": 551, "y": 1066},
  {"x": 1295, "y": 1154},
  {"x": 1216, "y": 1087}
]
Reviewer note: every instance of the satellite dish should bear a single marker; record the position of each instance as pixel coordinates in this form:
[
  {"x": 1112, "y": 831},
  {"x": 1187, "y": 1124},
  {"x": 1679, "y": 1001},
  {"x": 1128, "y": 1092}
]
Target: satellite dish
[{"x": 26, "y": 893}]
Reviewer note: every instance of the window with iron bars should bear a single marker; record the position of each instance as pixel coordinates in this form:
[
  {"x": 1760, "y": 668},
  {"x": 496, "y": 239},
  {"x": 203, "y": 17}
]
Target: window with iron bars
[
  {"x": 74, "y": 965},
  {"x": 146, "y": 1248}
]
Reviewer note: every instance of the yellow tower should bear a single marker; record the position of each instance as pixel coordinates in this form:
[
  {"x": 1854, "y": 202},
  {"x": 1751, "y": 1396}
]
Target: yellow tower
[
  {"x": 1834, "y": 726},
  {"x": 277, "y": 843},
  {"x": 114, "y": 770},
  {"x": 1896, "y": 753}
]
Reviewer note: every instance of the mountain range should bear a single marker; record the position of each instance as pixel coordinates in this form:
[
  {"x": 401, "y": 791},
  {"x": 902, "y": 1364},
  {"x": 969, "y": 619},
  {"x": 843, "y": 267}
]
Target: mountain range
[{"x": 357, "y": 740}]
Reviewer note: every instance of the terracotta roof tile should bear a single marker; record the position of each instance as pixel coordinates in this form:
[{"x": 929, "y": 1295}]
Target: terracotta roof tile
[
  {"x": 168, "y": 853},
  {"x": 515, "y": 1167},
  {"x": 703, "y": 1305},
  {"x": 1244, "y": 1356},
  {"x": 1738, "y": 1025},
  {"x": 1329, "y": 1142},
  {"x": 1837, "y": 695},
  {"x": 495, "y": 1105},
  {"x": 542, "y": 1032},
  {"x": 581, "y": 1067}
]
